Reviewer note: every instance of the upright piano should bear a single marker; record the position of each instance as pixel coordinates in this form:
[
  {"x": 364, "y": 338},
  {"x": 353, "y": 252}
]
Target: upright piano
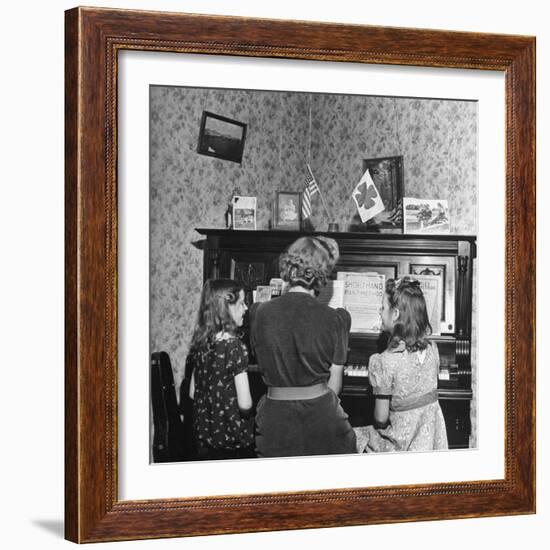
[{"x": 251, "y": 257}]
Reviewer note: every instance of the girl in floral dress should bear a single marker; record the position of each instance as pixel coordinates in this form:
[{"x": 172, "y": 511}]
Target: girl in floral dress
[
  {"x": 217, "y": 366},
  {"x": 407, "y": 415}
]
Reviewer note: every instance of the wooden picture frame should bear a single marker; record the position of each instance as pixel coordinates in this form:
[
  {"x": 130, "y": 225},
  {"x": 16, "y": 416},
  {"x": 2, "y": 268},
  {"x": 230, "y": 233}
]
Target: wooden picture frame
[
  {"x": 287, "y": 219},
  {"x": 221, "y": 137},
  {"x": 93, "y": 510}
]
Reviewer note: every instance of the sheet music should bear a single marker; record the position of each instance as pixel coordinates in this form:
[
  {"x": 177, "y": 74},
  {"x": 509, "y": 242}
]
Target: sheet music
[{"x": 363, "y": 293}]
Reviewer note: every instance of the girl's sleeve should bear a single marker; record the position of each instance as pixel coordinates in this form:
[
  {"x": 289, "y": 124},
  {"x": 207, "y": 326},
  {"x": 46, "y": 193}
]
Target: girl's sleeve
[
  {"x": 379, "y": 376},
  {"x": 237, "y": 358},
  {"x": 343, "y": 324}
]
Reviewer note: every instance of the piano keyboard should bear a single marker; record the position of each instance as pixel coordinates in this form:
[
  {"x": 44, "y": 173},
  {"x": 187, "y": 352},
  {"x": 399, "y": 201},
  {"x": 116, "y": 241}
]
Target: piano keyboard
[
  {"x": 356, "y": 371},
  {"x": 446, "y": 372}
]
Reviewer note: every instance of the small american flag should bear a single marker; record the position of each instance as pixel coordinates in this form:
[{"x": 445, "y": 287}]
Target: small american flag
[{"x": 309, "y": 191}]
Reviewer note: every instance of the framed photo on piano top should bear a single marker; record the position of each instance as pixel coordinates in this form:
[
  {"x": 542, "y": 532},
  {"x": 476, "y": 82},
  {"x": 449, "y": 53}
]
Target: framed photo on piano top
[
  {"x": 287, "y": 210},
  {"x": 103, "y": 215}
]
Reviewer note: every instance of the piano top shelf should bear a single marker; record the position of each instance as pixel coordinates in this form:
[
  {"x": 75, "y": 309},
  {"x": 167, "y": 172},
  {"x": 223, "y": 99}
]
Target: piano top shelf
[
  {"x": 359, "y": 235},
  {"x": 350, "y": 242}
]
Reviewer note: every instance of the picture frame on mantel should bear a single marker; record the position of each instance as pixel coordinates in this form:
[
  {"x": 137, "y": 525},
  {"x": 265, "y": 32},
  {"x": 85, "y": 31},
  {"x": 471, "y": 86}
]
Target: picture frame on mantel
[
  {"x": 94, "y": 510},
  {"x": 387, "y": 174},
  {"x": 287, "y": 211}
]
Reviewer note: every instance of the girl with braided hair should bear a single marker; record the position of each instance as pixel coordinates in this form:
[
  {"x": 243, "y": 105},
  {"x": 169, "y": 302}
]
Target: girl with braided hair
[{"x": 301, "y": 347}]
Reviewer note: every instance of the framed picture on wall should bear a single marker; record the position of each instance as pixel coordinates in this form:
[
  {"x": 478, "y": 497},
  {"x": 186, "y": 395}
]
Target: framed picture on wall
[
  {"x": 112, "y": 491},
  {"x": 221, "y": 137}
]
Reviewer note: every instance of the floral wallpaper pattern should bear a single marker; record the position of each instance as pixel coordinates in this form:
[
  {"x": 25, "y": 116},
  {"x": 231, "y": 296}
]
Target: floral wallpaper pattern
[
  {"x": 334, "y": 133},
  {"x": 436, "y": 138}
]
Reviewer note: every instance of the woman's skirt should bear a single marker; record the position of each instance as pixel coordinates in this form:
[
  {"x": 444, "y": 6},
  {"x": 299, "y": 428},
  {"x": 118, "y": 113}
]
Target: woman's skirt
[{"x": 306, "y": 427}]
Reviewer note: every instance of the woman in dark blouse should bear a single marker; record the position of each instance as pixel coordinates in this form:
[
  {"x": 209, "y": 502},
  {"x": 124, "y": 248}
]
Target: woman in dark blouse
[{"x": 301, "y": 347}]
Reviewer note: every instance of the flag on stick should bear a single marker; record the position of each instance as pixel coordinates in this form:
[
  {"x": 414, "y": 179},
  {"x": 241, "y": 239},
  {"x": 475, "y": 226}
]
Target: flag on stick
[
  {"x": 309, "y": 191},
  {"x": 366, "y": 198}
]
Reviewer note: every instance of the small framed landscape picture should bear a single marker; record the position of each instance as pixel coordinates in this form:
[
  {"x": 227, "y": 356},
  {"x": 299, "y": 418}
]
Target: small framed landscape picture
[
  {"x": 221, "y": 137},
  {"x": 422, "y": 216},
  {"x": 288, "y": 208},
  {"x": 244, "y": 213}
]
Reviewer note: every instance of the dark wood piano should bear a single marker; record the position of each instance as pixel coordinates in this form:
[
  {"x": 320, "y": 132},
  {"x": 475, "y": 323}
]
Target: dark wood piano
[{"x": 251, "y": 257}]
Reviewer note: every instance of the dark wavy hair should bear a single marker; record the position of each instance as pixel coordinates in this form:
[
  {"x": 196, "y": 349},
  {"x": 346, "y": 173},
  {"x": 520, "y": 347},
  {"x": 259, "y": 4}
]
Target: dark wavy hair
[
  {"x": 214, "y": 315},
  {"x": 412, "y": 326},
  {"x": 308, "y": 262}
]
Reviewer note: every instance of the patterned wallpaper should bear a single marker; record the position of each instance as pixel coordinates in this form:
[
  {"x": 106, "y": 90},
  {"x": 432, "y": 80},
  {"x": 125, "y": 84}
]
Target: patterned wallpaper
[
  {"x": 189, "y": 190},
  {"x": 334, "y": 133},
  {"x": 436, "y": 138}
]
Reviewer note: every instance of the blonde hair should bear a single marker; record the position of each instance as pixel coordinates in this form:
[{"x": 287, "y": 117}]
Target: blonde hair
[{"x": 308, "y": 262}]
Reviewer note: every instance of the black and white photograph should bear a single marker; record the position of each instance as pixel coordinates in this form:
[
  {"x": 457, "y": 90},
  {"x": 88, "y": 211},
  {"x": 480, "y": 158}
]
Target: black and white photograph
[
  {"x": 426, "y": 216},
  {"x": 244, "y": 213},
  {"x": 387, "y": 363},
  {"x": 288, "y": 210},
  {"x": 101, "y": 170},
  {"x": 140, "y": 306}
]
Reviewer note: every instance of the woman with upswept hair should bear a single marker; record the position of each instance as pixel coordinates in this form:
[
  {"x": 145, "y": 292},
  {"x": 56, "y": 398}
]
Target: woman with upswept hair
[{"x": 301, "y": 347}]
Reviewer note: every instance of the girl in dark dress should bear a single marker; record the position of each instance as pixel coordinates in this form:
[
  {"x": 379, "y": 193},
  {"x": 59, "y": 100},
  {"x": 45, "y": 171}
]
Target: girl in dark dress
[
  {"x": 217, "y": 366},
  {"x": 301, "y": 347}
]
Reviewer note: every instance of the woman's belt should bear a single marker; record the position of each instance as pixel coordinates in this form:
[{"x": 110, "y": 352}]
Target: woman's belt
[
  {"x": 411, "y": 403},
  {"x": 296, "y": 393}
]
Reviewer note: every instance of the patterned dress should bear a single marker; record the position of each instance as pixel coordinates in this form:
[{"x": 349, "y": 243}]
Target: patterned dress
[
  {"x": 217, "y": 423},
  {"x": 416, "y": 422}
]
